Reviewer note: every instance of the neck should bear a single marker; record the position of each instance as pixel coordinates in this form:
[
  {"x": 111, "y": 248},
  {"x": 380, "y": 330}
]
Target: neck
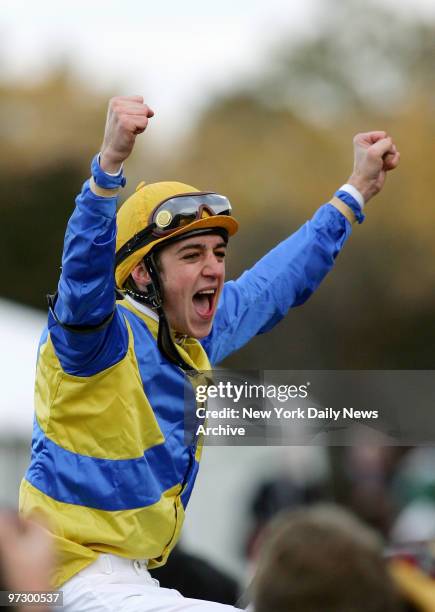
[{"x": 141, "y": 307}]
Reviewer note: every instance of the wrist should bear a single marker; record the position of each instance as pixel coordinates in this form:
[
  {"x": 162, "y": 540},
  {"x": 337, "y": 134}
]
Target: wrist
[
  {"x": 366, "y": 187},
  {"x": 355, "y": 193},
  {"x": 109, "y": 165},
  {"x": 105, "y": 180},
  {"x": 352, "y": 199}
]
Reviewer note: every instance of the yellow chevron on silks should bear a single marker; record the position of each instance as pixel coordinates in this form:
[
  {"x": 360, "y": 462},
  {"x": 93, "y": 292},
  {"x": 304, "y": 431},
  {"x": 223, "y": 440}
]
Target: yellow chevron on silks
[
  {"x": 74, "y": 528},
  {"x": 190, "y": 349},
  {"x": 70, "y": 409},
  {"x": 97, "y": 441}
]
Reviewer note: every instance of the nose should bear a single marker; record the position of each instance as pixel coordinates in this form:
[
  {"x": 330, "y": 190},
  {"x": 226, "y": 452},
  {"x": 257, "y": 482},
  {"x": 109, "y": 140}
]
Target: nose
[{"x": 213, "y": 267}]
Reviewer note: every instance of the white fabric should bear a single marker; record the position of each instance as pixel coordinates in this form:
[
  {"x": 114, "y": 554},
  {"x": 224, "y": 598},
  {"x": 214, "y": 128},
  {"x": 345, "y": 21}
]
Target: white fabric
[
  {"x": 114, "y": 584},
  {"x": 142, "y": 307},
  {"x": 354, "y": 192}
]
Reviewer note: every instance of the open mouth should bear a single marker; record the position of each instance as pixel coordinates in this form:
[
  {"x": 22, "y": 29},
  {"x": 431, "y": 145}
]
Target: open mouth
[{"x": 204, "y": 302}]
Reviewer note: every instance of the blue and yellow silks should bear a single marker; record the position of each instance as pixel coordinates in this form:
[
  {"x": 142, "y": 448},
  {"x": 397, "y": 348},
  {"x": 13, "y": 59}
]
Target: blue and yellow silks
[{"x": 110, "y": 470}]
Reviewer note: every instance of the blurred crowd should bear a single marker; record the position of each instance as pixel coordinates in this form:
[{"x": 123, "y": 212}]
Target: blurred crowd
[{"x": 373, "y": 552}]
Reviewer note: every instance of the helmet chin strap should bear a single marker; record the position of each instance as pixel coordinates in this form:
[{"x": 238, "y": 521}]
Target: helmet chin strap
[{"x": 153, "y": 298}]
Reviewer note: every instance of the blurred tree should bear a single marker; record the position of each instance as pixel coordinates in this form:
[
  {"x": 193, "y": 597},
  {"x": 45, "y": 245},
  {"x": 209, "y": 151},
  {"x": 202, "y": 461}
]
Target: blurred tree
[
  {"x": 280, "y": 146},
  {"x": 35, "y": 209},
  {"x": 56, "y": 120},
  {"x": 362, "y": 60},
  {"x": 49, "y": 131}
]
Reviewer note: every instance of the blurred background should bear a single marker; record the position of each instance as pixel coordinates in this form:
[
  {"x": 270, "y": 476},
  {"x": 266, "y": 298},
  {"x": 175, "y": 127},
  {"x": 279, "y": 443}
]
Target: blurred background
[{"x": 259, "y": 101}]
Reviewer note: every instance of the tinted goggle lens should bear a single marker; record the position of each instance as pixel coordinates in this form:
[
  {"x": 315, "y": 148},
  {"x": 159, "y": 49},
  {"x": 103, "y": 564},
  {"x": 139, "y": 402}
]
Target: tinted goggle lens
[{"x": 182, "y": 210}]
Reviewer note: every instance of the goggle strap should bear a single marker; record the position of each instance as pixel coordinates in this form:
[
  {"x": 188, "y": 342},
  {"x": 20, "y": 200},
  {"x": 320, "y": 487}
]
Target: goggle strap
[
  {"x": 164, "y": 339},
  {"x": 139, "y": 240},
  {"x": 166, "y": 344},
  {"x": 154, "y": 288}
]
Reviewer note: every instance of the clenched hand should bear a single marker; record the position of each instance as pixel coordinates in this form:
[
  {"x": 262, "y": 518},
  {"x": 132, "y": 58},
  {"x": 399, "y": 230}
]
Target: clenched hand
[
  {"x": 375, "y": 154},
  {"x": 127, "y": 116}
]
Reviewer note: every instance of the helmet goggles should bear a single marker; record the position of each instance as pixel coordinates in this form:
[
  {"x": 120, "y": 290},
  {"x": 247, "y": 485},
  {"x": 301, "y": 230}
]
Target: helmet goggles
[{"x": 173, "y": 214}]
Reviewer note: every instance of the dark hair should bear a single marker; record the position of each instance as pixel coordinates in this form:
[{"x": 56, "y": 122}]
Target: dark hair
[{"x": 322, "y": 560}]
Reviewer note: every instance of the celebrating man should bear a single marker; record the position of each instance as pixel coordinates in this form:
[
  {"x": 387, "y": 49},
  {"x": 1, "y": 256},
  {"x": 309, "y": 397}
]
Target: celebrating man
[{"x": 110, "y": 470}]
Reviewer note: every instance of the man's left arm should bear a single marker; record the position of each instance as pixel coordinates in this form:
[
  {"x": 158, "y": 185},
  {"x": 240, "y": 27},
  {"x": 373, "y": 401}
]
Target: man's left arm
[{"x": 293, "y": 270}]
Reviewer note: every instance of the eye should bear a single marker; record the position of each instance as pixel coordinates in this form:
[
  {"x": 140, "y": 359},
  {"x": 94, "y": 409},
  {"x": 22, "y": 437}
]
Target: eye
[
  {"x": 220, "y": 254},
  {"x": 190, "y": 256}
]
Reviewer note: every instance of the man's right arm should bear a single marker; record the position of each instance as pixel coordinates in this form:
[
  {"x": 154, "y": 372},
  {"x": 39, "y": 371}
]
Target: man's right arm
[
  {"x": 81, "y": 317},
  {"x": 86, "y": 292}
]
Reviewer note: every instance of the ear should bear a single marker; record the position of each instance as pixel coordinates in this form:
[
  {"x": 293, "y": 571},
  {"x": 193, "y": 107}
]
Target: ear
[{"x": 141, "y": 276}]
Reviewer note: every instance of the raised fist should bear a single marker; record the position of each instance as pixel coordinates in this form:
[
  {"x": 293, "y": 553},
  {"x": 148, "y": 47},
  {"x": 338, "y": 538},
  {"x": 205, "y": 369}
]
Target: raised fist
[
  {"x": 375, "y": 154},
  {"x": 127, "y": 116}
]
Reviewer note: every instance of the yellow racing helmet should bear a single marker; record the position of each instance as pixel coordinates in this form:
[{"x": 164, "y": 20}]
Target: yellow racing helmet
[{"x": 160, "y": 212}]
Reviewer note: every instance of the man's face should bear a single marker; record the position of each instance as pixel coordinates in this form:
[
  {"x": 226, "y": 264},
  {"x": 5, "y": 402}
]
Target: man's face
[{"x": 192, "y": 275}]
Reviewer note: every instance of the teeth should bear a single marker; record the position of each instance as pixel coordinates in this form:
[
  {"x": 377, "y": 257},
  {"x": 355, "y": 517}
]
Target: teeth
[{"x": 207, "y": 292}]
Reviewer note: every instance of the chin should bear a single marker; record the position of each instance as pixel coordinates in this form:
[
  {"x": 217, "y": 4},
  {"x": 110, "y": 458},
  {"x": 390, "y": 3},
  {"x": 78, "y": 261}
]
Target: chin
[
  {"x": 194, "y": 328},
  {"x": 201, "y": 331}
]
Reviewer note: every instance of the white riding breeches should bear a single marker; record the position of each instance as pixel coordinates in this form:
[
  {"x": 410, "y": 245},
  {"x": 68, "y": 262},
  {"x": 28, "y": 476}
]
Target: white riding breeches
[{"x": 112, "y": 584}]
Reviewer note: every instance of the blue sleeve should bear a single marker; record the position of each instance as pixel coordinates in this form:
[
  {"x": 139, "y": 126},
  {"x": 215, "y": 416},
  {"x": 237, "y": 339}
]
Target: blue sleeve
[
  {"x": 86, "y": 289},
  {"x": 283, "y": 278}
]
